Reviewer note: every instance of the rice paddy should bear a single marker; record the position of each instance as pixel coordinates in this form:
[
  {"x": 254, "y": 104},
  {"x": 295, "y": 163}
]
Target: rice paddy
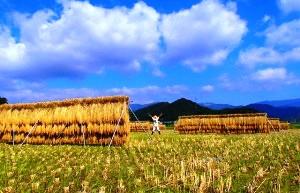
[
  {"x": 161, "y": 163},
  {"x": 54, "y": 158}
]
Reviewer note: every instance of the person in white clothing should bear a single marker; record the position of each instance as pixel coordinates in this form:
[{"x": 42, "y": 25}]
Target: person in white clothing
[{"x": 155, "y": 124}]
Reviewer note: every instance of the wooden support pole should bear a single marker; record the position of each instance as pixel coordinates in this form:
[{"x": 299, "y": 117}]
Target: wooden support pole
[
  {"x": 33, "y": 127},
  {"x": 271, "y": 124},
  {"x": 135, "y": 116},
  {"x": 83, "y": 135},
  {"x": 123, "y": 109},
  {"x": 13, "y": 137}
]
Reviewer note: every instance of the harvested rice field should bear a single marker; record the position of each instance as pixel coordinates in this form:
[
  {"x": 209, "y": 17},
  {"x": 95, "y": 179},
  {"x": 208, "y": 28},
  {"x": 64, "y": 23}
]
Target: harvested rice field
[{"x": 169, "y": 162}]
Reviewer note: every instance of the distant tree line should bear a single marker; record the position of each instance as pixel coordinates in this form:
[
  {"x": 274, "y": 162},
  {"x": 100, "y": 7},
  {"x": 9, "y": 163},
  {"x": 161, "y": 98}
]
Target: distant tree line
[{"x": 3, "y": 100}]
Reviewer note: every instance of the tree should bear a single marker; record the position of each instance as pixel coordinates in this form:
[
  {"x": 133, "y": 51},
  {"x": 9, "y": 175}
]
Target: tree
[{"x": 3, "y": 100}]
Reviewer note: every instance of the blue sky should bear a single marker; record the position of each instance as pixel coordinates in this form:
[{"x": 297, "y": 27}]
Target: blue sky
[{"x": 220, "y": 51}]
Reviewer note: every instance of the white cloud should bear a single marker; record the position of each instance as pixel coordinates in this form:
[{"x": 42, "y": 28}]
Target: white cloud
[
  {"x": 289, "y": 5},
  {"x": 282, "y": 46},
  {"x": 207, "y": 88},
  {"x": 202, "y": 35},
  {"x": 149, "y": 90},
  {"x": 266, "y": 18},
  {"x": 293, "y": 55},
  {"x": 131, "y": 91},
  {"x": 260, "y": 80},
  {"x": 270, "y": 74},
  {"x": 271, "y": 78},
  {"x": 20, "y": 91},
  {"x": 83, "y": 39},
  {"x": 253, "y": 57},
  {"x": 286, "y": 34},
  {"x": 258, "y": 56},
  {"x": 87, "y": 39},
  {"x": 11, "y": 52},
  {"x": 232, "y": 6},
  {"x": 280, "y": 50}
]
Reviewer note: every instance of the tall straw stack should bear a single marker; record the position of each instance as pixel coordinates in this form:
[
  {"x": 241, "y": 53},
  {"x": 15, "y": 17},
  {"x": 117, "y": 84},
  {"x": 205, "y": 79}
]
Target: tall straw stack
[
  {"x": 275, "y": 124},
  {"x": 229, "y": 123},
  {"x": 284, "y": 125},
  {"x": 73, "y": 121}
]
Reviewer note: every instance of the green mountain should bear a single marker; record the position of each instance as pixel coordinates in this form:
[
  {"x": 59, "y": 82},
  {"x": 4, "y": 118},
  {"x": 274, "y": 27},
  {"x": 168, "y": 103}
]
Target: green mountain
[
  {"x": 291, "y": 114},
  {"x": 180, "y": 107}
]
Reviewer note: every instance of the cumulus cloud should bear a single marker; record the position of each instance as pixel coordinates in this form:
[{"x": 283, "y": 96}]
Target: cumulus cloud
[
  {"x": 83, "y": 39},
  {"x": 202, "y": 35},
  {"x": 282, "y": 47},
  {"x": 267, "y": 66},
  {"x": 11, "y": 52},
  {"x": 289, "y": 5},
  {"x": 86, "y": 39},
  {"x": 284, "y": 35},
  {"x": 232, "y": 6},
  {"x": 280, "y": 50}
]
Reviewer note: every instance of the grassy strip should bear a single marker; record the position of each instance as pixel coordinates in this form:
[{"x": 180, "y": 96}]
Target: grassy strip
[{"x": 296, "y": 125}]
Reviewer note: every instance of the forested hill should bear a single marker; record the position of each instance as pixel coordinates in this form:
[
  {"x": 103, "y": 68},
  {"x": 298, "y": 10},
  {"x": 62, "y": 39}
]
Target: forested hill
[{"x": 180, "y": 107}]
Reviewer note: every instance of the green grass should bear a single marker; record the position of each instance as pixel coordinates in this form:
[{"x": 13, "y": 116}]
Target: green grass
[
  {"x": 168, "y": 163},
  {"x": 296, "y": 125}
]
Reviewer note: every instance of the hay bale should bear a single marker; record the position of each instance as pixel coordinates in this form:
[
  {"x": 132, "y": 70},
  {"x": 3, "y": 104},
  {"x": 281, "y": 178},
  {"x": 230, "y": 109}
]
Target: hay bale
[
  {"x": 64, "y": 122},
  {"x": 284, "y": 125},
  {"x": 275, "y": 124},
  {"x": 162, "y": 126},
  {"x": 144, "y": 126},
  {"x": 140, "y": 126},
  {"x": 227, "y": 123}
]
